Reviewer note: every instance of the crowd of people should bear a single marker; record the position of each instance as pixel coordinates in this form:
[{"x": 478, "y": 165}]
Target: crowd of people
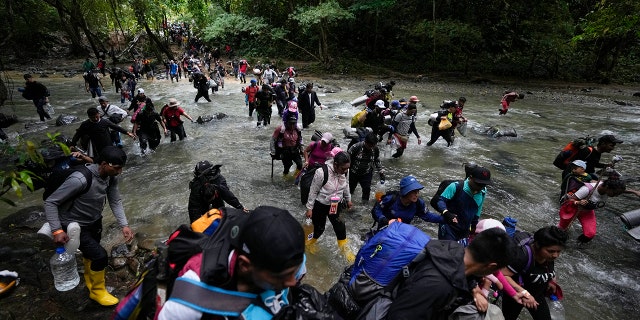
[{"x": 471, "y": 257}]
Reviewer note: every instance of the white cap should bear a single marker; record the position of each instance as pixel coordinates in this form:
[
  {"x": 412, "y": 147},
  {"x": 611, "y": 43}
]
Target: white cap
[
  {"x": 580, "y": 164},
  {"x": 140, "y": 90},
  {"x": 486, "y": 224},
  {"x": 327, "y": 137},
  {"x": 380, "y": 104}
]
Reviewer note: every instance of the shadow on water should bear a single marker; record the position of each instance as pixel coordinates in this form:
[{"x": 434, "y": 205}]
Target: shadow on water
[{"x": 599, "y": 280}]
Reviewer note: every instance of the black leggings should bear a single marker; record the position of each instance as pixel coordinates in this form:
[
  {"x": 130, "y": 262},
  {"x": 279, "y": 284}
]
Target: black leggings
[
  {"x": 511, "y": 309},
  {"x": 319, "y": 218},
  {"x": 90, "y": 237},
  {"x": 436, "y": 133}
]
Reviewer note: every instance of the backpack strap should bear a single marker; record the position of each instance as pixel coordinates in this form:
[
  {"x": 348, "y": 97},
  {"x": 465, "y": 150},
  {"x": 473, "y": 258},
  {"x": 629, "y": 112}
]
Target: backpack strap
[{"x": 210, "y": 299}]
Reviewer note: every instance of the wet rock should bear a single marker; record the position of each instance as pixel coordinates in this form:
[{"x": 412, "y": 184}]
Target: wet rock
[
  {"x": 636, "y": 94},
  {"x": 65, "y": 119},
  {"x": 118, "y": 263},
  {"x": 7, "y": 120},
  {"x": 622, "y": 103}
]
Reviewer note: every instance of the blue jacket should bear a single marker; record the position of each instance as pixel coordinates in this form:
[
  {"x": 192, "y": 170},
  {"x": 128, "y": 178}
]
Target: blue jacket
[
  {"x": 466, "y": 206},
  {"x": 391, "y": 207}
]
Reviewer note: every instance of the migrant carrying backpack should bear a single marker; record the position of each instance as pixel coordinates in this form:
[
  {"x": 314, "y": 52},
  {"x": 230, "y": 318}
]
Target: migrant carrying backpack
[
  {"x": 142, "y": 301},
  {"x": 570, "y": 151},
  {"x": 57, "y": 178},
  {"x": 357, "y": 120},
  {"x": 307, "y": 179},
  {"x": 443, "y": 185},
  {"x": 382, "y": 263}
]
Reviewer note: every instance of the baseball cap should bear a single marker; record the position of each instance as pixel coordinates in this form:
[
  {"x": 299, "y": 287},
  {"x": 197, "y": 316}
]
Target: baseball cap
[
  {"x": 408, "y": 184},
  {"x": 272, "y": 239},
  {"x": 380, "y": 104},
  {"x": 292, "y": 80},
  {"x": 327, "y": 137},
  {"x": 27, "y": 76},
  {"x": 102, "y": 98},
  {"x": 403, "y": 101},
  {"x": 481, "y": 175},
  {"x": 253, "y": 81},
  {"x": 609, "y": 138},
  {"x": 292, "y": 119},
  {"x": 580, "y": 164},
  {"x": 113, "y": 155},
  {"x": 414, "y": 99},
  {"x": 486, "y": 224},
  {"x": 140, "y": 90}
]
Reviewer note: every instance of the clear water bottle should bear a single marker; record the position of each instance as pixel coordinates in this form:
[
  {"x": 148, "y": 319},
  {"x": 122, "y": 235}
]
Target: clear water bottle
[
  {"x": 308, "y": 228},
  {"x": 556, "y": 309},
  {"x": 64, "y": 269},
  {"x": 381, "y": 189}
]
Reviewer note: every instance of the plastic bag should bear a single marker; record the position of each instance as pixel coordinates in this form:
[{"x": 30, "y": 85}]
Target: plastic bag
[
  {"x": 49, "y": 108},
  {"x": 444, "y": 124}
]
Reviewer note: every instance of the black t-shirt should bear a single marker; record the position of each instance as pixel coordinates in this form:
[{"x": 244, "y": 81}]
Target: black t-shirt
[
  {"x": 148, "y": 120},
  {"x": 537, "y": 277}
]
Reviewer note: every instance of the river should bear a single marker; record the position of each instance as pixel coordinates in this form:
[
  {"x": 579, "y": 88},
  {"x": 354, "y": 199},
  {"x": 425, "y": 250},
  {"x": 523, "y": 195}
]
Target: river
[{"x": 600, "y": 280}]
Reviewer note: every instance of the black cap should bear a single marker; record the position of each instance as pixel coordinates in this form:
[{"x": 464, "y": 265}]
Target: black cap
[
  {"x": 609, "y": 138},
  {"x": 272, "y": 239},
  {"x": 113, "y": 155},
  {"x": 481, "y": 175}
]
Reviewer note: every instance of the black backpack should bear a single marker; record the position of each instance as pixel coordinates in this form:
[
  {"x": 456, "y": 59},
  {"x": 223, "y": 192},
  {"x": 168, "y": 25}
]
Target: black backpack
[
  {"x": 57, "y": 178},
  {"x": 443, "y": 185},
  {"x": 307, "y": 179}
]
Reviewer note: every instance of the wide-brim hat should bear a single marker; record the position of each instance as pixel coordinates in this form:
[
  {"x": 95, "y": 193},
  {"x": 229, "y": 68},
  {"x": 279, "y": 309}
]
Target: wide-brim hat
[
  {"x": 408, "y": 184},
  {"x": 173, "y": 102}
]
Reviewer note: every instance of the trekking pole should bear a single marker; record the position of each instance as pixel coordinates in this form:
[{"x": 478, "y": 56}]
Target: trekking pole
[{"x": 272, "y": 166}]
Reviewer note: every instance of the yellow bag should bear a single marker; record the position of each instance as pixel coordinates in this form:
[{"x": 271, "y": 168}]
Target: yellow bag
[
  {"x": 208, "y": 222},
  {"x": 357, "y": 120},
  {"x": 444, "y": 124}
]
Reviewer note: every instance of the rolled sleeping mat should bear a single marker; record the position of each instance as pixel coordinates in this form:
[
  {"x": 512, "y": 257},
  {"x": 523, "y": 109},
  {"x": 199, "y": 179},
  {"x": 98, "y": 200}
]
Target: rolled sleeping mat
[
  {"x": 631, "y": 219},
  {"x": 635, "y": 233},
  {"x": 350, "y": 133},
  {"x": 358, "y": 101},
  {"x": 432, "y": 118}
]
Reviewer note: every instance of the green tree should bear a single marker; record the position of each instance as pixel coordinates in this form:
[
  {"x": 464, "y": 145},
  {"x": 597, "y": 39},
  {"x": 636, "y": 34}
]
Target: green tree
[
  {"x": 319, "y": 21},
  {"x": 609, "y": 32}
]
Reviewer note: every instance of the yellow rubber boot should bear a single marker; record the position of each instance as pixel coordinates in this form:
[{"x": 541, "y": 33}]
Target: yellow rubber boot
[
  {"x": 311, "y": 246},
  {"x": 346, "y": 251},
  {"x": 97, "y": 288},
  {"x": 87, "y": 269}
]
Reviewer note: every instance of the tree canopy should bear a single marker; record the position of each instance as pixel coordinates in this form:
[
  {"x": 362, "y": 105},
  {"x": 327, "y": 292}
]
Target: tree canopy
[{"x": 570, "y": 39}]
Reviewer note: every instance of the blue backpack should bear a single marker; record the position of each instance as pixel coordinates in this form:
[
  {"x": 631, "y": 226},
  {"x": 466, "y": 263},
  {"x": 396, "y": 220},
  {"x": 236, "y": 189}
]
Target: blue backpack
[{"x": 386, "y": 258}]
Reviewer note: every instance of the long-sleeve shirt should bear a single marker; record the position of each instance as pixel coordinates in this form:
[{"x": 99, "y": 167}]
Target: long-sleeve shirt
[
  {"x": 98, "y": 132},
  {"x": 405, "y": 125},
  {"x": 337, "y": 185},
  {"x": 64, "y": 205},
  {"x": 363, "y": 159},
  {"x": 391, "y": 207}
]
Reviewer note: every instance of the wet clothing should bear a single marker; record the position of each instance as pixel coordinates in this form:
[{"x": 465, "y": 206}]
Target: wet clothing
[
  {"x": 320, "y": 201},
  {"x": 306, "y": 106},
  {"x": 198, "y": 202},
  {"x": 64, "y": 206},
  {"x": 363, "y": 161},
  {"x": 174, "y": 123},
  {"x": 114, "y": 114},
  {"x": 286, "y": 145},
  {"x": 319, "y": 153},
  {"x": 535, "y": 280},
  {"x": 436, "y": 133},
  {"x": 264, "y": 100},
  {"x": 38, "y": 93},
  {"x": 98, "y": 132},
  {"x": 506, "y": 101},
  {"x": 591, "y": 156},
  {"x": 148, "y": 131},
  {"x": 92, "y": 81},
  {"x": 392, "y": 208},
  {"x": 147, "y": 103},
  {"x": 436, "y": 285},
  {"x": 466, "y": 205},
  {"x": 404, "y": 125},
  {"x": 202, "y": 84},
  {"x": 586, "y": 216},
  {"x": 250, "y": 93}
]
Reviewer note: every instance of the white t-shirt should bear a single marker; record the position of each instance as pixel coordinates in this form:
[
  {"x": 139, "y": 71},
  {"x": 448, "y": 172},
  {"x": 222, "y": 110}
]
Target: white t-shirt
[{"x": 596, "y": 196}]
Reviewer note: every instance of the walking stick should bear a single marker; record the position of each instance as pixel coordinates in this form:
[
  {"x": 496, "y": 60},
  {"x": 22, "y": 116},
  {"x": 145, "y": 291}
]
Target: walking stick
[{"x": 272, "y": 166}]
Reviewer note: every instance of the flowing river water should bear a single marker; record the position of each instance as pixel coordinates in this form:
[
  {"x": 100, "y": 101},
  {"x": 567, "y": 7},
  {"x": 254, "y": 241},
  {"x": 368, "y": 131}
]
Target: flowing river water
[{"x": 600, "y": 280}]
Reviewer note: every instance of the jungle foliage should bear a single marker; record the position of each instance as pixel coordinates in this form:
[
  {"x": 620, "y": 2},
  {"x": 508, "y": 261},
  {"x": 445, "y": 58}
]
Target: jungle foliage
[{"x": 568, "y": 39}]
